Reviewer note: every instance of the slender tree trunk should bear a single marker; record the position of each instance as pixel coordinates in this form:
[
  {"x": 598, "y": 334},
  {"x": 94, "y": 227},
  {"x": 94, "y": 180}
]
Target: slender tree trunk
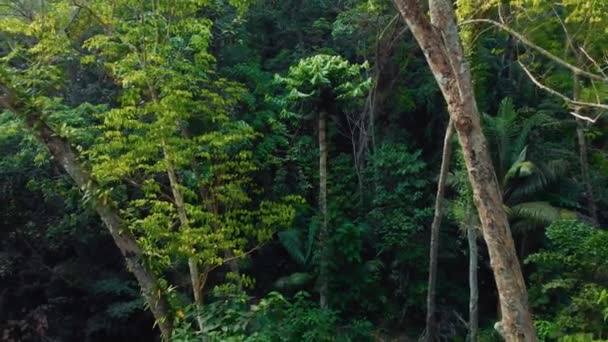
[
  {"x": 442, "y": 48},
  {"x": 584, "y": 164},
  {"x": 583, "y": 153},
  {"x": 178, "y": 198},
  {"x": 473, "y": 284},
  {"x": 446, "y": 156},
  {"x": 67, "y": 158},
  {"x": 323, "y": 234}
]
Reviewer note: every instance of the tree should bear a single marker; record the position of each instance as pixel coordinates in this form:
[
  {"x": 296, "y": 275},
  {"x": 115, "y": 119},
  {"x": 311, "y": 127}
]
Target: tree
[
  {"x": 441, "y": 45},
  {"x": 321, "y": 81},
  {"x": 67, "y": 158},
  {"x": 157, "y": 55},
  {"x": 443, "y": 174},
  {"x": 568, "y": 41}
]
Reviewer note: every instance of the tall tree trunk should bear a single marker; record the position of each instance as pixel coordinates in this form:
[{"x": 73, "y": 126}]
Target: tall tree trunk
[
  {"x": 446, "y": 156},
  {"x": 473, "y": 284},
  {"x": 66, "y": 157},
  {"x": 583, "y": 153},
  {"x": 323, "y": 234},
  {"x": 178, "y": 198},
  {"x": 440, "y": 42}
]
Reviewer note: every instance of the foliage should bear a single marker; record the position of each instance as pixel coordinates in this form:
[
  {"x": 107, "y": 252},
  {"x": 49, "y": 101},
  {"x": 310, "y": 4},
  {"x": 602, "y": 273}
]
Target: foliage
[
  {"x": 52, "y": 240},
  {"x": 177, "y": 110},
  {"x": 272, "y": 318},
  {"x": 569, "y": 281}
]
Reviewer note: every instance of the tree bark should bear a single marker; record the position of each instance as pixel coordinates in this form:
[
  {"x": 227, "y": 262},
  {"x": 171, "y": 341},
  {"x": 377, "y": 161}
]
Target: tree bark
[
  {"x": 473, "y": 284},
  {"x": 446, "y": 156},
  {"x": 323, "y": 234},
  {"x": 441, "y": 45},
  {"x": 66, "y": 157}
]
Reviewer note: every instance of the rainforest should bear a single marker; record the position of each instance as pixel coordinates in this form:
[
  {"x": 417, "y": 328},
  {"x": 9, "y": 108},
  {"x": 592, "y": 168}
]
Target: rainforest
[{"x": 303, "y": 170}]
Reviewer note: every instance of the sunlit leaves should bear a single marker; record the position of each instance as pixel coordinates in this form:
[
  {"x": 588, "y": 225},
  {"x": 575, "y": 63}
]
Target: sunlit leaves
[
  {"x": 313, "y": 75},
  {"x": 172, "y": 114}
]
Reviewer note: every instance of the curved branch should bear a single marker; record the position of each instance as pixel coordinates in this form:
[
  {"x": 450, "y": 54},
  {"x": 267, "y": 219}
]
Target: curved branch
[
  {"x": 560, "y": 95},
  {"x": 527, "y": 42}
]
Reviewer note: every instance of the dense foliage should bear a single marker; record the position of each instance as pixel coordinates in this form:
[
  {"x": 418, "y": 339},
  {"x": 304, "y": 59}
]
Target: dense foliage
[{"x": 198, "y": 122}]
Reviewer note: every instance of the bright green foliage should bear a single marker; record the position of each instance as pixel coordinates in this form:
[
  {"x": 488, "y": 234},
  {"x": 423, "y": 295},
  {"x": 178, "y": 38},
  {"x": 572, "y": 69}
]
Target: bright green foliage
[
  {"x": 165, "y": 100},
  {"x": 322, "y": 79},
  {"x": 571, "y": 274},
  {"x": 173, "y": 119},
  {"x": 171, "y": 97}
]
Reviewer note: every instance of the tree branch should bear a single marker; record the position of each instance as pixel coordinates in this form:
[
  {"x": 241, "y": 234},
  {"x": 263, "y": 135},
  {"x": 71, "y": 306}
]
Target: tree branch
[
  {"x": 542, "y": 51},
  {"x": 564, "y": 97}
]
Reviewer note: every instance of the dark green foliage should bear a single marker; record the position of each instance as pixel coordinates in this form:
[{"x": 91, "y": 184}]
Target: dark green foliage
[
  {"x": 570, "y": 279},
  {"x": 249, "y": 137},
  {"x": 61, "y": 275},
  {"x": 235, "y": 317}
]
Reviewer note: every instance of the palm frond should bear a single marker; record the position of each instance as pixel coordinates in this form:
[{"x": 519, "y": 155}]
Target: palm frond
[
  {"x": 298, "y": 248},
  {"x": 524, "y": 187},
  {"x": 520, "y": 168},
  {"x": 312, "y": 232},
  {"x": 291, "y": 240},
  {"x": 539, "y": 212}
]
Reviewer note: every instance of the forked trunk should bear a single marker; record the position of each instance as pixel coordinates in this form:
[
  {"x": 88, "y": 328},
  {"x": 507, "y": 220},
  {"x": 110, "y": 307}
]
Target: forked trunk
[{"x": 442, "y": 48}]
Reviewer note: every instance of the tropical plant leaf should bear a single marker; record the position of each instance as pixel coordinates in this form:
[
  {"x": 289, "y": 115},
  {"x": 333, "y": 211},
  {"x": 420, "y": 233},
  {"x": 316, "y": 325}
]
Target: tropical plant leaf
[
  {"x": 294, "y": 280},
  {"x": 541, "y": 212}
]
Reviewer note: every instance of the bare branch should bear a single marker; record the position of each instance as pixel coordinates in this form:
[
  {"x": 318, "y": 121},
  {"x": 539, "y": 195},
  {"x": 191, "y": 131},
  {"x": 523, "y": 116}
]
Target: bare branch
[
  {"x": 578, "y": 116},
  {"x": 562, "y": 96},
  {"x": 599, "y": 68},
  {"x": 542, "y": 51}
]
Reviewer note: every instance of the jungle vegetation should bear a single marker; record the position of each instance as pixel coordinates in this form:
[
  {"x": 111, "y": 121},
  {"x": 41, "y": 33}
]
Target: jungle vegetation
[{"x": 303, "y": 170}]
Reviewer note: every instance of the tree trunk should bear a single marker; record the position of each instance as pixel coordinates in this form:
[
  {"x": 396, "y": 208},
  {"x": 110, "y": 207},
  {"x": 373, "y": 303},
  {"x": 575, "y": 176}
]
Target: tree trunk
[
  {"x": 582, "y": 154},
  {"x": 178, "y": 198},
  {"x": 442, "y": 48},
  {"x": 446, "y": 156},
  {"x": 473, "y": 284},
  {"x": 584, "y": 163},
  {"x": 66, "y": 157},
  {"x": 323, "y": 234}
]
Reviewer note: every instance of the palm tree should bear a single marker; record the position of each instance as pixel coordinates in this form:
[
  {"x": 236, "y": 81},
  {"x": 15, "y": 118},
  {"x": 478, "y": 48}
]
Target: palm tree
[{"x": 524, "y": 181}]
